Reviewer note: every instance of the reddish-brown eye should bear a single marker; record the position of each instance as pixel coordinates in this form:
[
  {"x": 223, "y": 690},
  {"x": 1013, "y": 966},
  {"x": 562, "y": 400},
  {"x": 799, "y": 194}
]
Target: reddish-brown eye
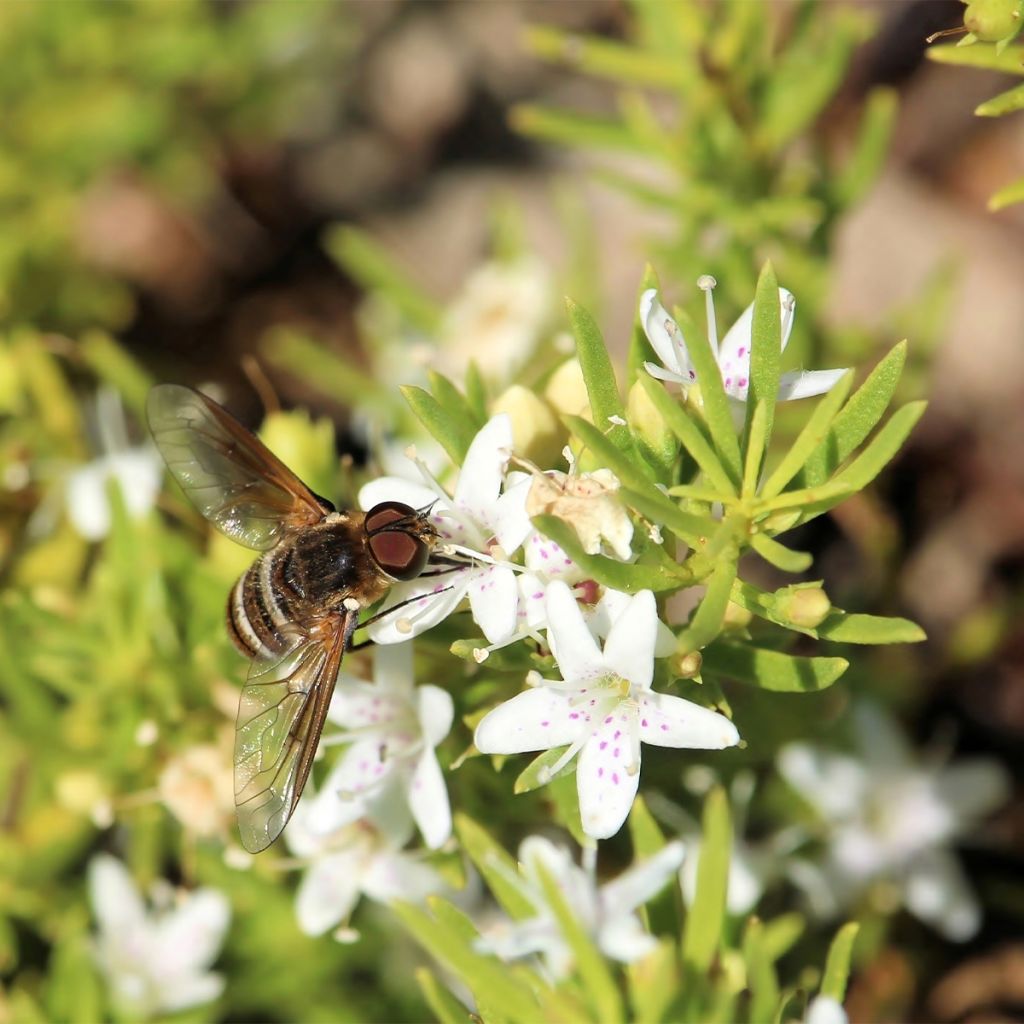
[{"x": 397, "y": 550}]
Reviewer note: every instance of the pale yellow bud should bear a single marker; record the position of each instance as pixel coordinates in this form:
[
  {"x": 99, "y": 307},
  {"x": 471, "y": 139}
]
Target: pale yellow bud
[
  {"x": 567, "y": 391},
  {"x": 736, "y": 617},
  {"x": 197, "y": 788},
  {"x": 806, "y": 607},
  {"x": 536, "y": 433},
  {"x": 658, "y": 442},
  {"x": 687, "y": 666}
]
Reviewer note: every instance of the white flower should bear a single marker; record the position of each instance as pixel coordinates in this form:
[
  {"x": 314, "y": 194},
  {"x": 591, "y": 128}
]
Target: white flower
[
  {"x": 891, "y": 819},
  {"x": 484, "y": 516},
  {"x": 825, "y": 1010},
  {"x": 197, "y": 788},
  {"x": 138, "y": 472},
  {"x": 606, "y": 912},
  {"x": 733, "y": 357},
  {"x": 155, "y": 962},
  {"x": 392, "y": 727},
  {"x": 364, "y": 858},
  {"x": 603, "y": 709},
  {"x": 497, "y": 319}
]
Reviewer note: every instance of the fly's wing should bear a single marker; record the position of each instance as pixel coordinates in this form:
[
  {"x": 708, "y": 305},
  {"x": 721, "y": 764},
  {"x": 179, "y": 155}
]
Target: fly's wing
[
  {"x": 281, "y": 714},
  {"x": 237, "y": 483}
]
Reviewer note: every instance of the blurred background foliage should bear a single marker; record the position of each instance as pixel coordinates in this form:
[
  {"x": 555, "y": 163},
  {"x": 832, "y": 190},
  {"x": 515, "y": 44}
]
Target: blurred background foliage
[{"x": 291, "y": 201}]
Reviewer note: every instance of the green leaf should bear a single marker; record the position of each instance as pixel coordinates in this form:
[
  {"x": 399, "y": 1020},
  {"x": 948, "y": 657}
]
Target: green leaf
[
  {"x": 782, "y": 933},
  {"x": 862, "y": 167},
  {"x": 1007, "y": 196},
  {"x": 631, "y": 470},
  {"x": 704, "y": 921},
  {"x": 599, "y": 376},
  {"x": 499, "y": 992},
  {"x": 1010, "y": 61},
  {"x": 779, "y": 555},
  {"x": 476, "y": 392},
  {"x": 707, "y": 620},
  {"x": 640, "y": 350},
  {"x": 644, "y": 831},
  {"x": 883, "y": 447},
  {"x": 452, "y": 400},
  {"x": 654, "y": 983},
  {"x": 598, "y": 980},
  {"x": 629, "y": 577},
  {"x": 765, "y": 352},
  {"x": 374, "y": 268},
  {"x": 658, "y": 509},
  {"x": 573, "y": 129},
  {"x": 111, "y": 363},
  {"x": 837, "y": 967},
  {"x": 843, "y": 628},
  {"x": 761, "y": 978},
  {"x": 754, "y": 446},
  {"x": 772, "y": 670},
  {"x": 452, "y": 432},
  {"x": 538, "y": 772},
  {"x": 857, "y": 419},
  {"x": 444, "y": 1006},
  {"x": 809, "y": 439},
  {"x": 691, "y": 437},
  {"x": 498, "y": 868}
]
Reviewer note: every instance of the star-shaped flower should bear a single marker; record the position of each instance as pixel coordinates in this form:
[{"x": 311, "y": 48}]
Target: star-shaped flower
[
  {"x": 486, "y": 515},
  {"x": 157, "y": 961},
  {"x": 606, "y": 912},
  {"x": 392, "y": 728},
  {"x": 892, "y": 819},
  {"x": 732, "y": 356},
  {"x": 602, "y": 708}
]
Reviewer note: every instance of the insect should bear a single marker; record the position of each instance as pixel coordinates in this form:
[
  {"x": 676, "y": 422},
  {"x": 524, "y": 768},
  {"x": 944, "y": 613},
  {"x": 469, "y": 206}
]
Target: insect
[{"x": 293, "y": 612}]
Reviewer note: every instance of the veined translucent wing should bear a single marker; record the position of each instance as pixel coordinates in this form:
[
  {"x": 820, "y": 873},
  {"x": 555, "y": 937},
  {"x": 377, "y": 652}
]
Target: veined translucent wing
[
  {"x": 237, "y": 483},
  {"x": 281, "y": 714}
]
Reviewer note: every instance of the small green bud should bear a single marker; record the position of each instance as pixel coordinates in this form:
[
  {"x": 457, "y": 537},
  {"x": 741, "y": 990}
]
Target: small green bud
[
  {"x": 993, "y": 20},
  {"x": 688, "y": 665},
  {"x": 806, "y": 607}
]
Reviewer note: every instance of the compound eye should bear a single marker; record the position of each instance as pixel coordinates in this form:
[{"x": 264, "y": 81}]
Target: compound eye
[{"x": 398, "y": 551}]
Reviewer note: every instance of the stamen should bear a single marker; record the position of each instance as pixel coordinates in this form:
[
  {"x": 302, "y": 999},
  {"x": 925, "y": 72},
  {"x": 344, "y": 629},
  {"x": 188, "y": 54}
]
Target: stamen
[
  {"x": 449, "y": 509},
  {"x": 479, "y": 556},
  {"x": 706, "y": 283},
  {"x": 547, "y": 774},
  {"x": 404, "y": 626}
]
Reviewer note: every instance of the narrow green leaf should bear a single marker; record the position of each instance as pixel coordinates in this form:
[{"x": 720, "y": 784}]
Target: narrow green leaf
[
  {"x": 538, "y": 772},
  {"x": 498, "y": 868},
  {"x": 476, "y": 392},
  {"x": 765, "y": 352},
  {"x": 779, "y": 555},
  {"x": 808, "y": 499},
  {"x": 631, "y": 578},
  {"x": 843, "y": 628},
  {"x": 1007, "y": 196},
  {"x": 665, "y": 513},
  {"x": 837, "y": 967},
  {"x": 857, "y": 419},
  {"x": 809, "y": 439},
  {"x": 111, "y": 363},
  {"x": 754, "y": 445},
  {"x": 444, "y": 1006},
  {"x": 772, "y": 670},
  {"x": 761, "y": 978},
  {"x": 452, "y": 432},
  {"x": 631, "y": 470},
  {"x": 450, "y": 916},
  {"x": 782, "y": 933},
  {"x": 605, "y": 402},
  {"x": 883, "y": 447},
  {"x": 691, "y": 437},
  {"x": 452, "y": 400},
  {"x": 863, "y": 165},
  {"x": 644, "y": 831},
  {"x": 375, "y": 269},
  {"x": 716, "y": 407},
  {"x": 1010, "y": 61},
  {"x": 640, "y": 350},
  {"x": 704, "y": 922},
  {"x": 654, "y": 983},
  {"x": 707, "y": 620},
  {"x": 571, "y": 128},
  {"x": 598, "y": 981}
]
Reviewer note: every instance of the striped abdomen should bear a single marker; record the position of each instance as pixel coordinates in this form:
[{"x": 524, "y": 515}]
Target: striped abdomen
[{"x": 263, "y": 606}]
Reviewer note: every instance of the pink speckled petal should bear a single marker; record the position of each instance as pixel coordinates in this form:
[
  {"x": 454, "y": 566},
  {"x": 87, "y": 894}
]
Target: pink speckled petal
[
  {"x": 483, "y": 470},
  {"x": 607, "y": 776},
  {"x": 436, "y": 598},
  {"x": 629, "y": 649},
  {"x": 537, "y": 719},
  {"x": 571, "y": 642},
  {"x": 428, "y": 800},
  {"x": 808, "y": 383},
  {"x": 494, "y": 598},
  {"x": 668, "y": 721},
  {"x": 660, "y": 328}
]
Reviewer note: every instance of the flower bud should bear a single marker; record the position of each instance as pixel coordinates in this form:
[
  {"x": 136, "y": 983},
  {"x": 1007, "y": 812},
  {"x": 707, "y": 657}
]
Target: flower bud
[
  {"x": 805, "y": 607},
  {"x": 567, "y": 391},
  {"x": 736, "y": 617},
  {"x": 657, "y": 442},
  {"x": 688, "y": 665},
  {"x": 305, "y": 445},
  {"x": 536, "y": 433},
  {"x": 992, "y": 20}
]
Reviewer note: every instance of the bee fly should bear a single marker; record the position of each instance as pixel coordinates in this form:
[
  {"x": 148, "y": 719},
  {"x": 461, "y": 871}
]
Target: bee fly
[{"x": 293, "y": 612}]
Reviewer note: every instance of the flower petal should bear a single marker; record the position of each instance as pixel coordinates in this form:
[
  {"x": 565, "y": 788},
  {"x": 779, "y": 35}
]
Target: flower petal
[
  {"x": 973, "y": 788},
  {"x": 397, "y": 876},
  {"x": 937, "y": 892},
  {"x": 395, "y": 488},
  {"x": 545, "y": 557},
  {"x": 328, "y": 891},
  {"x": 342, "y": 798},
  {"x": 535, "y": 719},
  {"x": 643, "y": 881},
  {"x": 629, "y": 649},
  {"x": 807, "y": 383},
  {"x": 435, "y": 599},
  {"x": 116, "y": 901},
  {"x": 825, "y": 1010},
  {"x": 179, "y": 993},
  {"x": 670, "y": 376},
  {"x": 606, "y": 781},
  {"x": 189, "y": 937},
  {"x": 661, "y": 331},
  {"x": 508, "y": 518},
  {"x": 572, "y": 644},
  {"x": 667, "y": 721},
  {"x": 356, "y": 704},
  {"x": 493, "y": 597},
  {"x": 624, "y": 938},
  {"x": 835, "y": 784},
  {"x": 428, "y": 800},
  {"x": 483, "y": 469},
  {"x": 734, "y": 352},
  {"x": 435, "y": 710},
  {"x": 393, "y": 668}
]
